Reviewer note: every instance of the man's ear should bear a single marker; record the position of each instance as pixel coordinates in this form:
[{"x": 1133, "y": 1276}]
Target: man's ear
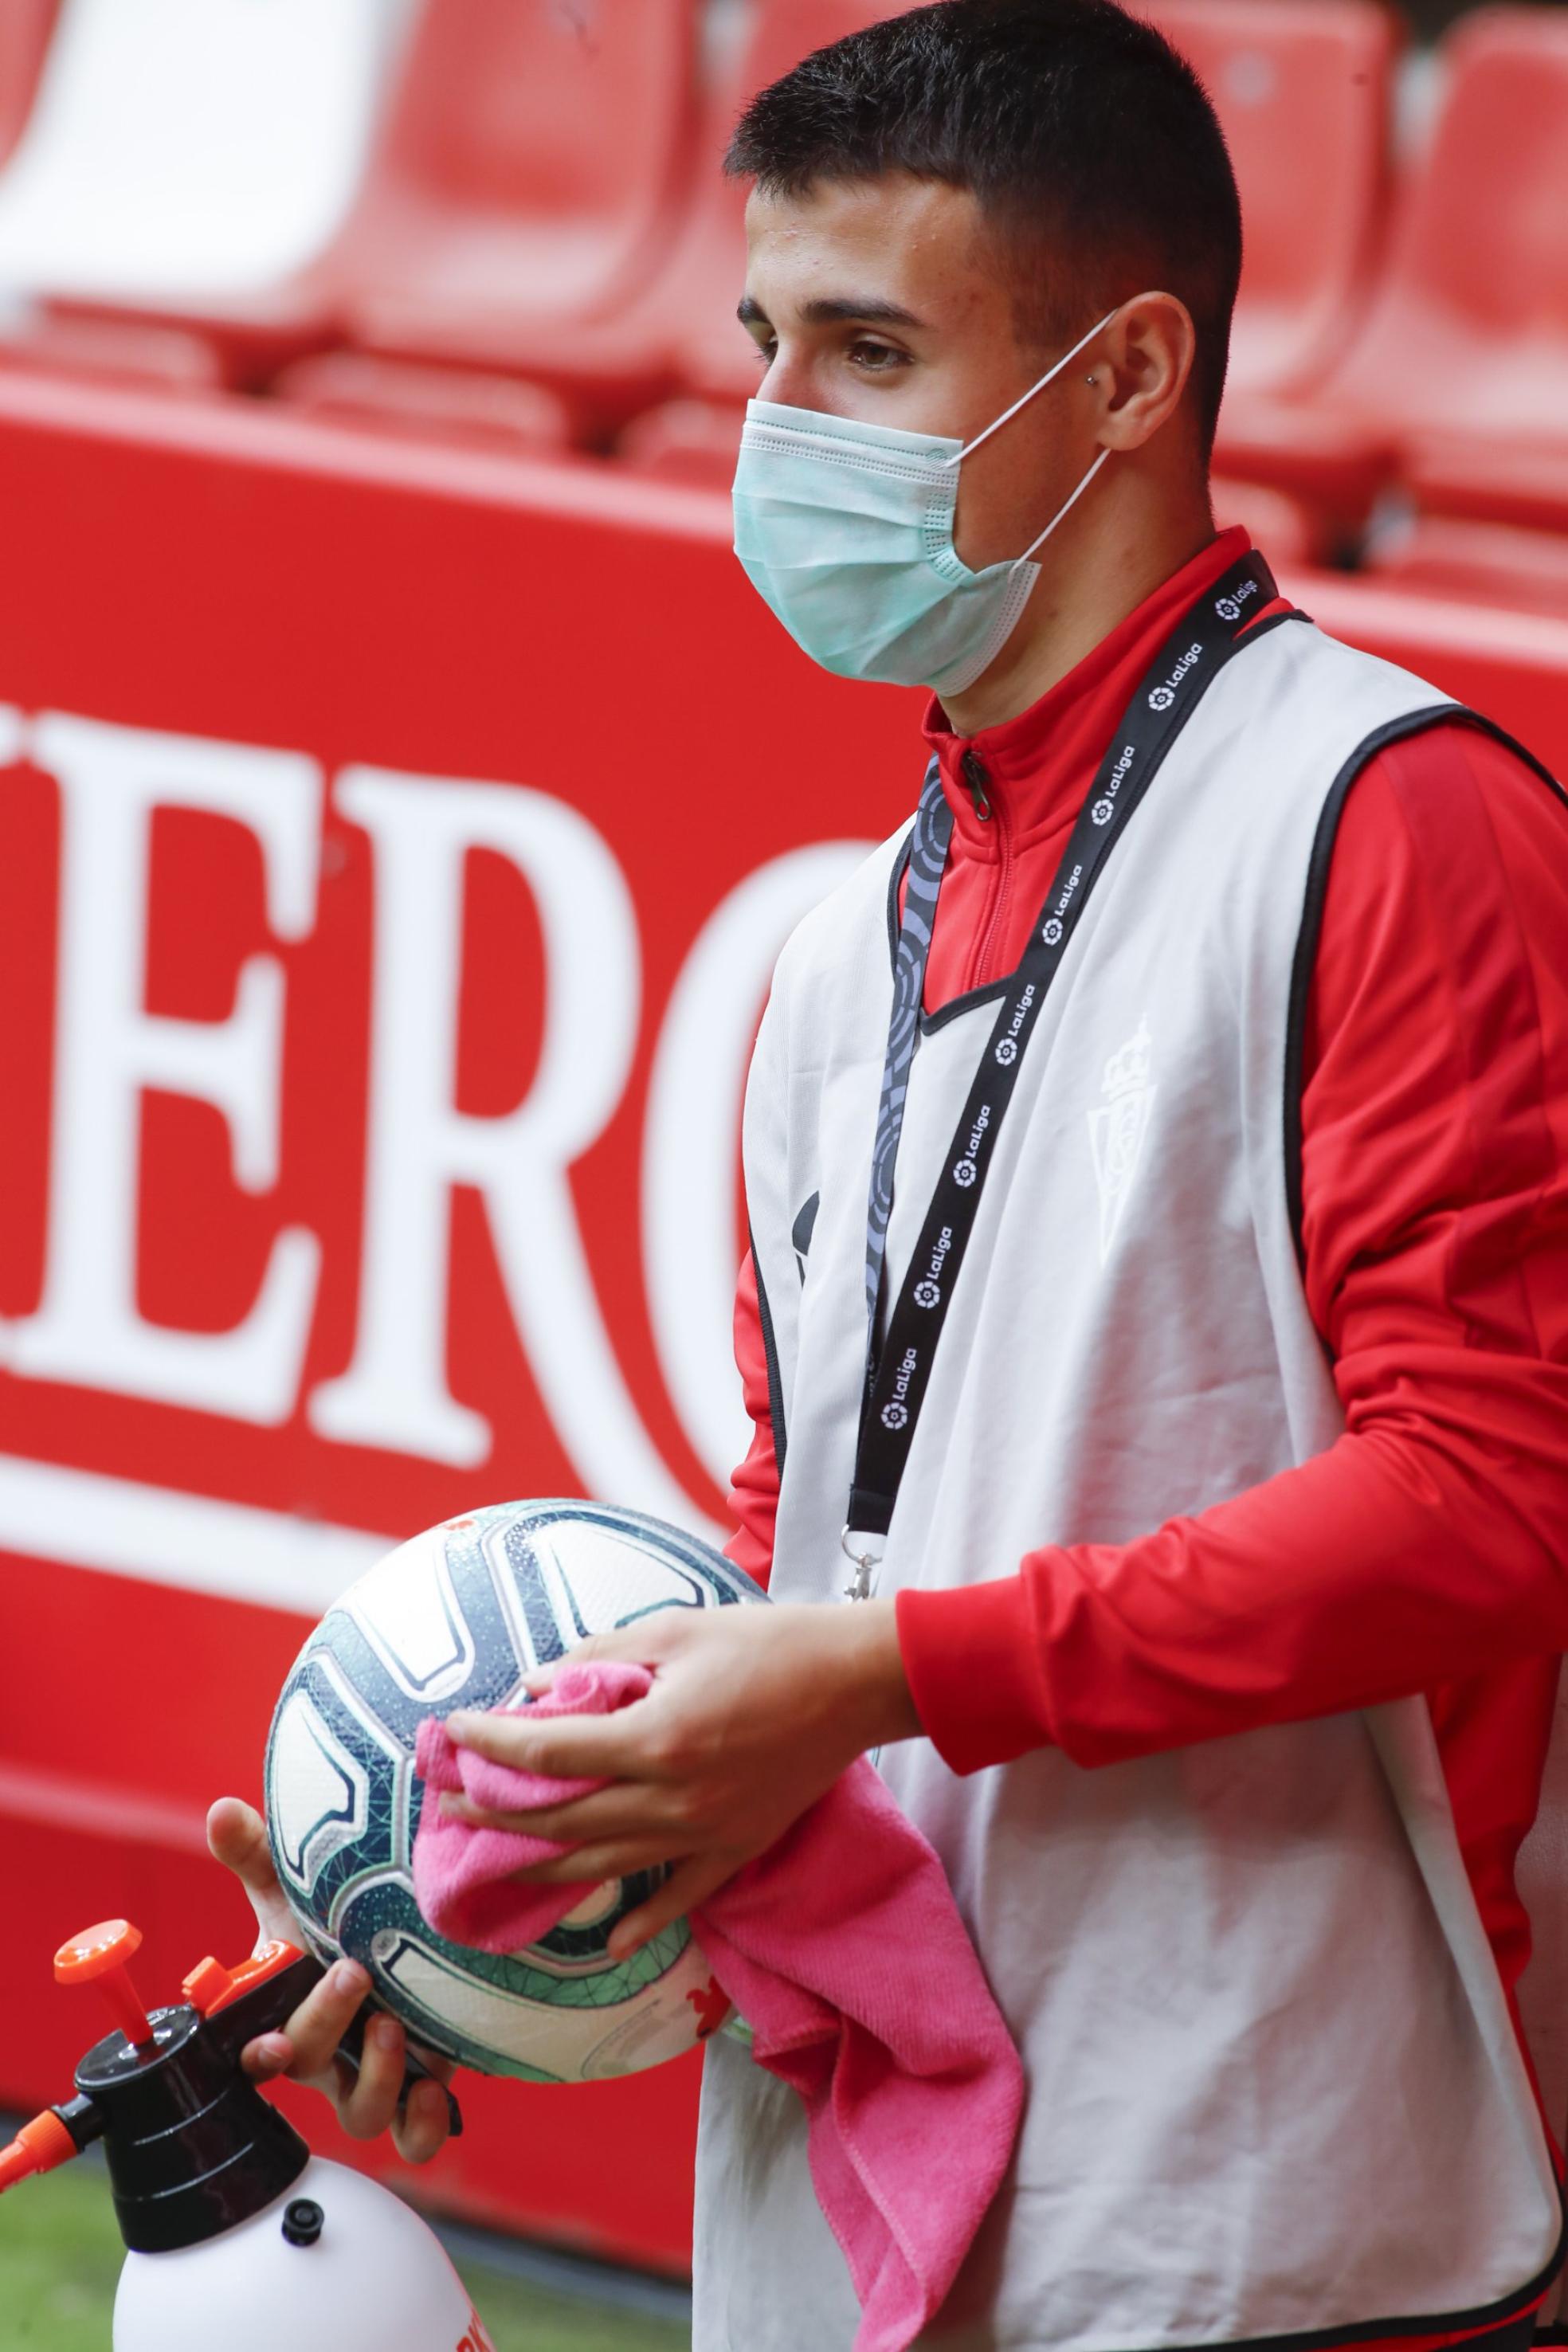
[{"x": 1142, "y": 369}]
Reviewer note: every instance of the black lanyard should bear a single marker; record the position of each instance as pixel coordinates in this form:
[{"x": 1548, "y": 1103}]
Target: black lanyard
[{"x": 898, "y": 1372}]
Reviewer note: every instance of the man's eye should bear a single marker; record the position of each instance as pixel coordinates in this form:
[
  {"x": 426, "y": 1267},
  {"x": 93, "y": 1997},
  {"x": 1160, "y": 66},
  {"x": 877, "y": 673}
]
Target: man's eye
[{"x": 874, "y": 358}]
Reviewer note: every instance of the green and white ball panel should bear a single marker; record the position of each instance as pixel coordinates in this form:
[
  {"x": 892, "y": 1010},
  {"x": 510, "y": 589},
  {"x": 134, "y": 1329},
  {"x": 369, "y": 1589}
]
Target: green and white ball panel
[
  {"x": 456, "y": 1617},
  {"x": 609, "y": 2022}
]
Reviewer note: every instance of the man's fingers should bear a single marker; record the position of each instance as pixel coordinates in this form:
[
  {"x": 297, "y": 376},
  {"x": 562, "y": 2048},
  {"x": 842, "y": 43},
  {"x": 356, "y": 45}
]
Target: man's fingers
[
  {"x": 366, "y": 2110},
  {"x": 688, "y": 1885},
  {"x": 435, "y": 2064},
  {"x": 421, "y": 2130},
  {"x": 615, "y": 1858},
  {"x": 366, "y": 2101},
  {"x": 372, "y": 2106},
  {"x": 237, "y": 1836},
  {"x": 648, "y": 1642},
  {"x": 324, "y": 2016},
  {"x": 561, "y": 1746},
  {"x": 272, "y": 2054},
  {"x": 626, "y": 1809},
  {"x": 269, "y": 2055},
  {"x": 654, "y": 1641}
]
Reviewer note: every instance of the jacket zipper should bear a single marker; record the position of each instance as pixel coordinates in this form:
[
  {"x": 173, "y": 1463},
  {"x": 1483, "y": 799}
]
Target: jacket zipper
[{"x": 977, "y": 776}]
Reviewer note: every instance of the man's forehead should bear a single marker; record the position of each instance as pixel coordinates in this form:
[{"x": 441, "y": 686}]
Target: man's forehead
[{"x": 916, "y": 243}]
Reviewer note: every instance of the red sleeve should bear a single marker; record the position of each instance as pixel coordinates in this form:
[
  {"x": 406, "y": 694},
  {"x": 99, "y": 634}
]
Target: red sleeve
[
  {"x": 754, "y": 1487},
  {"x": 1431, "y": 1542}
]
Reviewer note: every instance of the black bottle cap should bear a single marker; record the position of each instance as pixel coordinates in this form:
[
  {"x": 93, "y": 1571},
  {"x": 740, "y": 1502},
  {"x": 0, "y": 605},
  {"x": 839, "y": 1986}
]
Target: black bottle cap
[
  {"x": 303, "y": 2220},
  {"x": 192, "y": 2147}
]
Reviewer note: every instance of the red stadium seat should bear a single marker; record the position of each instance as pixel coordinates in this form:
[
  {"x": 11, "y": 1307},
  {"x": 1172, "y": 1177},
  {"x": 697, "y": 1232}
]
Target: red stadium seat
[
  {"x": 1284, "y": 530},
  {"x": 26, "y": 27},
  {"x": 1508, "y": 481},
  {"x": 525, "y": 171},
  {"x": 186, "y": 155},
  {"x": 670, "y": 327},
  {"x": 480, "y": 411},
  {"x": 130, "y": 351},
  {"x": 1304, "y": 91},
  {"x": 1466, "y": 350},
  {"x": 685, "y": 440},
  {"x": 1512, "y": 481},
  {"x": 1477, "y": 564}
]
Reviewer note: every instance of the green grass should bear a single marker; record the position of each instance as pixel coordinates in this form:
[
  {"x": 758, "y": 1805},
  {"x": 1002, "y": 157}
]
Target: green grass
[
  {"x": 59, "y": 2257},
  {"x": 61, "y": 2254}
]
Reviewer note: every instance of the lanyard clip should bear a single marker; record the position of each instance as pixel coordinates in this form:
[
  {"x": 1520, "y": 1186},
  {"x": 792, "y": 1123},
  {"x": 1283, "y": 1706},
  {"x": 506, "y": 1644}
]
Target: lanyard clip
[{"x": 865, "y": 1561}]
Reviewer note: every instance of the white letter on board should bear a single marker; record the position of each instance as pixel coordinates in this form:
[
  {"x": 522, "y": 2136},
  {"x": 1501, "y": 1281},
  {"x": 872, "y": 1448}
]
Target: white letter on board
[
  {"x": 110, "y": 1050},
  {"x": 396, "y": 1392}
]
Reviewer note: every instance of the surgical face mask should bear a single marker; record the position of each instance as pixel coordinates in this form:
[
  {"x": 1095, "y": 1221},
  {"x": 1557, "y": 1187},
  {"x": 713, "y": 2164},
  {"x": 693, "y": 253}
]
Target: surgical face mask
[{"x": 846, "y": 530}]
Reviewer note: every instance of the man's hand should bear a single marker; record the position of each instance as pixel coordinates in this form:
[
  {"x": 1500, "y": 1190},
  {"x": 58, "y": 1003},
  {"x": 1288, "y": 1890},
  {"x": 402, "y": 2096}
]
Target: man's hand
[
  {"x": 305, "y": 2049},
  {"x": 753, "y": 1716}
]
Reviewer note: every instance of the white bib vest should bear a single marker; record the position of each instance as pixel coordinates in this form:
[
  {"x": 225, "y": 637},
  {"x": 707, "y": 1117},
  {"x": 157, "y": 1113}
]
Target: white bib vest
[{"x": 1274, "y": 2089}]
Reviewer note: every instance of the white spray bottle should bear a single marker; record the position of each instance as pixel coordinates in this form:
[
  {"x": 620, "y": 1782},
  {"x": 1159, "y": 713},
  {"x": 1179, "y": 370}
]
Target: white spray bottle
[{"x": 239, "y": 2239}]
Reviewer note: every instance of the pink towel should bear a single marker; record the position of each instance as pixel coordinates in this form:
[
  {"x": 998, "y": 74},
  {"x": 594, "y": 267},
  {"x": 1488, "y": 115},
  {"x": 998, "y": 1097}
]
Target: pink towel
[{"x": 842, "y": 1950}]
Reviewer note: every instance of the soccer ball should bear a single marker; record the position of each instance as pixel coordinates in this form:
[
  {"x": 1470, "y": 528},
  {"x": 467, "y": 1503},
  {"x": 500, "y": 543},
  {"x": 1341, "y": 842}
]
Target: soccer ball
[{"x": 455, "y": 1619}]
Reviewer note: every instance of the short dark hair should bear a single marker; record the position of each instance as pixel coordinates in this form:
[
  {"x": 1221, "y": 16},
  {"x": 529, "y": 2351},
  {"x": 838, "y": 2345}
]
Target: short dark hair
[{"x": 1088, "y": 141}]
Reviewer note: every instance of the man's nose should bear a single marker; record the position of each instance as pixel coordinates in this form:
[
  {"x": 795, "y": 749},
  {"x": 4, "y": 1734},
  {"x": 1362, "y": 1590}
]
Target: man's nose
[{"x": 789, "y": 382}]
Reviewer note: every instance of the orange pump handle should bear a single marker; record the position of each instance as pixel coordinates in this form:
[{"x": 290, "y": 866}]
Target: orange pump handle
[
  {"x": 210, "y": 1987},
  {"x": 98, "y": 1956}
]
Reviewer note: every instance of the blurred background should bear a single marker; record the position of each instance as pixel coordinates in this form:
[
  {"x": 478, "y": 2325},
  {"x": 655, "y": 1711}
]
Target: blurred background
[{"x": 402, "y": 805}]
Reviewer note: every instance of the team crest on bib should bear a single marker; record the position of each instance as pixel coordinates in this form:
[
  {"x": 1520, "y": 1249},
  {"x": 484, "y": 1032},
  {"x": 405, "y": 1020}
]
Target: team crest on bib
[{"x": 1117, "y": 1127}]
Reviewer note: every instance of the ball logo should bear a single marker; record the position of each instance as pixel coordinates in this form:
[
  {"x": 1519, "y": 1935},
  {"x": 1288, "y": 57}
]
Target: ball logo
[
  {"x": 1006, "y": 1050},
  {"x": 711, "y": 2008},
  {"x": 895, "y": 1416},
  {"x": 1161, "y": 699},
  {"x": 965, "y": 1174},
  {"x": 1102, "y": 811},
  {"x": 928, "y": 1294},
  {"x": 1052, "y": 933}
]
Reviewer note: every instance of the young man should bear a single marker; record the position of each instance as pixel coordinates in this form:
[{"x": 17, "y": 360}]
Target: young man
[{"x": 1158, "y": 1300}]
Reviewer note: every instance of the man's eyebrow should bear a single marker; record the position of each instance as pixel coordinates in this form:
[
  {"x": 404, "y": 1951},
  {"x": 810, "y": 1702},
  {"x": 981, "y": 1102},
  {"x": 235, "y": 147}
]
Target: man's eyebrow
[{"x": 832, "y": 310}]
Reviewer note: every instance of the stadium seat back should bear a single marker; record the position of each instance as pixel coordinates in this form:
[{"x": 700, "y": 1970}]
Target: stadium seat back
[
  {"x": 26, "y": 29},
  {"x": 535, "y": 145},
  {"x": 786, "y": 31},
  {"x": 1488, "y": 230},
  {"x": 1468, "y": 338},
  {"x": 1304, "y": 89},
  {"x": 190, "y": 147}
]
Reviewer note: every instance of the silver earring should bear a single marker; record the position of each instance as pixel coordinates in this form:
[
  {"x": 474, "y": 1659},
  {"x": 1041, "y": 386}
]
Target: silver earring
[{"x": 1088, "y": 379}]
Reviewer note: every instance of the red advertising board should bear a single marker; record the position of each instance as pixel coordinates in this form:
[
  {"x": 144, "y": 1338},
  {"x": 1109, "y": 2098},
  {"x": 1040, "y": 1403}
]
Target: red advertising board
[{"x": 393, "y": 850}]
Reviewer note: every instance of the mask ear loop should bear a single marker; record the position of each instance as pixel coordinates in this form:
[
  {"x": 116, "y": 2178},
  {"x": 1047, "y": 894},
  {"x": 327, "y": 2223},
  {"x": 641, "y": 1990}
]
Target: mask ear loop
[
  {"x": 1008, "y": 414},
  {"x": 1061, "y": 511},
  {"x": 1024, "y": 399}
]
